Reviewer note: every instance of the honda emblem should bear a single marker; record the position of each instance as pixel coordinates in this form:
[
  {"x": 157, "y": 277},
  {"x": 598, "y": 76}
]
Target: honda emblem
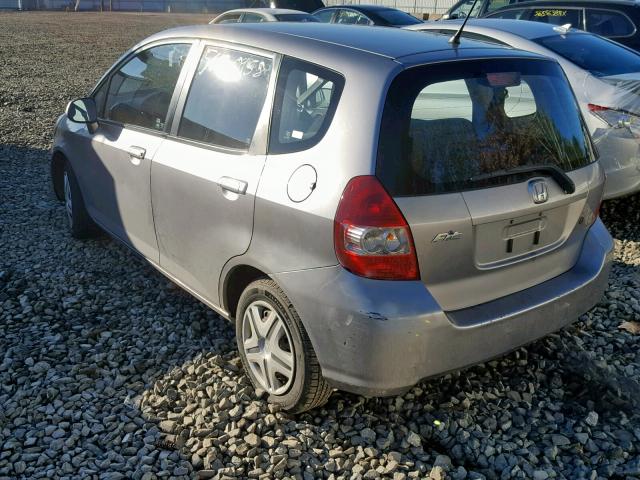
[{"x": 539, "y": 191}]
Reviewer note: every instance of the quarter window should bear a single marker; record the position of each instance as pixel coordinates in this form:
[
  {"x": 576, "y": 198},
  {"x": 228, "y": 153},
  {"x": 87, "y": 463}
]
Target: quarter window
[
  {"x": 226, "y": 98},
  {"x": 140, "y": 92},
  {"x": 608, "y": 23},
  {"x": 306, "y": 99}
]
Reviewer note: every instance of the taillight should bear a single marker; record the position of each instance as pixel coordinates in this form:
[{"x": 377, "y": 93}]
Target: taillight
[
  {"x": 614, "y": 117},
  {"x": 371, "y": 236}
]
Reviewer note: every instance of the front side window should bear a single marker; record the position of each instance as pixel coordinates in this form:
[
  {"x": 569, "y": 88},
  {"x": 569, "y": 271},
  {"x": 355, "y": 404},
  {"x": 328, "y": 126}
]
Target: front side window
[
  {"x": 608, "y": 23},
  {"x": 557, "y": 16},
  {"x": 231, "y": 18},
  {"x": 496, "y": 4},
  {"x": 513, "y": 14},
  {"x": 449, "y": 127},
  {"x": 598, "y": 55},
  {"x": 226, "y": 98},
  {"x": 464, "y": 9},
  {"x": 306, "y": 99},
  {"x": 325, "y": 15},
  {"x": 140, "y": 92},
  {"x": 252, "y": 18}
]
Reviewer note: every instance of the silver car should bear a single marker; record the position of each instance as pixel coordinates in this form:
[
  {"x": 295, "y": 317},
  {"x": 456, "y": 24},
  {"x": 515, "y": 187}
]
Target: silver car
[
  {"x": 605, "y": 77},
  {"x": 258, "y": 15},
  {"x": 364, "y": 221}
]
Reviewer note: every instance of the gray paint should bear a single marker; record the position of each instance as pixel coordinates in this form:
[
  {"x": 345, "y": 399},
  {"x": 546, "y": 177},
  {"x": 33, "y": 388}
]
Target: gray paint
[{"x": 371, "y": 336}]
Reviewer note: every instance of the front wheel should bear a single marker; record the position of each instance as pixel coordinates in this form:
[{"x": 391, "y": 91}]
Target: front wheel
[
  {"x": 80, "y": 223},
  {"x": 276, "y": 351}
]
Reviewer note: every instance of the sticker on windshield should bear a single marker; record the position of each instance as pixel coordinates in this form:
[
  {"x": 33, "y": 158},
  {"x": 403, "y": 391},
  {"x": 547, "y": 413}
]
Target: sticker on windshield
[{"x": 550, "y": 13}]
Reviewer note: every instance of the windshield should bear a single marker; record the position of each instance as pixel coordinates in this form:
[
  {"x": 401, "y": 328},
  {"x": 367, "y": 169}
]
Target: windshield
[
  {"x": 448, "y": 127},
  {"x": 296, "y": 17},
  {"x": 395, "y": 17},
  {"x": 598, "y": 55}
]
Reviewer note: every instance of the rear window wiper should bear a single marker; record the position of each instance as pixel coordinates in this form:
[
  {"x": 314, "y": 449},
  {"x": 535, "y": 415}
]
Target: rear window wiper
[{"x": 563, "y": 180}]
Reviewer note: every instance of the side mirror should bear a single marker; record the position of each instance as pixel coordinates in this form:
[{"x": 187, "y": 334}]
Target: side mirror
[
  {"x": 83, "y": 110},
  {"x": 446, "y": 16}
]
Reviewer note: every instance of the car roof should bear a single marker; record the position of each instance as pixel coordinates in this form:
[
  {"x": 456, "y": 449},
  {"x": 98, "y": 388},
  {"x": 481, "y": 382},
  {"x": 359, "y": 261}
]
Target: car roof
[
  {"x": 522, "y": 28},
  {"x": 293, "y": 39}
]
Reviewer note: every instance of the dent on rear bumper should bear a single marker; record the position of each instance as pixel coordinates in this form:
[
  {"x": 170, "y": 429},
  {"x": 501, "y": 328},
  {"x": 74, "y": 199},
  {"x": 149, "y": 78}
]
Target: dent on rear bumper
[{"x": 381, "y": 337}]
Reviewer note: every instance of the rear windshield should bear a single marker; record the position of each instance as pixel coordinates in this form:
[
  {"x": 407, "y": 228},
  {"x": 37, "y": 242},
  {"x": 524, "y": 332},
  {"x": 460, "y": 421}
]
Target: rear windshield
[
  {"x": 296, "y": 17},
  {"x": 450, "y": 127},
  {"x": 395, "y": 17},
  {"x": 599, "y": 56}
]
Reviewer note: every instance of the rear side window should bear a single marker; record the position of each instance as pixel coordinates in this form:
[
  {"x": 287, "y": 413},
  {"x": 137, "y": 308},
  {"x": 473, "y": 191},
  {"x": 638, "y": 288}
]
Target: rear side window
[
  {"x": 598, "y": 55},
  {"x": 392, "y": 16},
  {"x": 231, "y": 18},
  {"x": 140, "y": 91},
  {"x": 608, "y": 23},
  {"x": 557, "y": 16},
  {"x": 252, "y": 18},
  {"x": 307, "y": 96},
  {"x": 226, "y": 98},
  {"x": 496, "y": 4},
  {"x": 447, "y": 128}
]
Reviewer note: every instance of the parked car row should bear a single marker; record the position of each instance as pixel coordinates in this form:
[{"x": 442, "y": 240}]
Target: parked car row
[{"x": 369, "y": 206}]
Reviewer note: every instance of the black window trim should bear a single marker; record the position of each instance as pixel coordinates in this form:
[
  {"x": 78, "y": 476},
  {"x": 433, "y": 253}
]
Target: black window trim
[
  {"x": 339, "y": 81},
  {"x": 259, "y": 141},
  {"x": 106, "y": 81}
]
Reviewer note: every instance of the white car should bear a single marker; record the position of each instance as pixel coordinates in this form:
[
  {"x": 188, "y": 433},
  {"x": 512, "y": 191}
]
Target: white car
[
  {"x": 604, "y": 75},
  {"x": 258, "y": 15}
]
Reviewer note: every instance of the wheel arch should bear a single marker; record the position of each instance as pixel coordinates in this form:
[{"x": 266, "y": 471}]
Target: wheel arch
[{"x": 236, "y": 280}]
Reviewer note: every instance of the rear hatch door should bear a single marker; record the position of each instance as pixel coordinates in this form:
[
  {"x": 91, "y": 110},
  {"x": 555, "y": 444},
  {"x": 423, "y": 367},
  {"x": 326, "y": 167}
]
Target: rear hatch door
[{"x": 491, "y": 164}]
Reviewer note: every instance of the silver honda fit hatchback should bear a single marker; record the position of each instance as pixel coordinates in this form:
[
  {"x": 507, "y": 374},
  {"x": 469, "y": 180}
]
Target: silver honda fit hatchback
[{"x": 371, "y": 207}]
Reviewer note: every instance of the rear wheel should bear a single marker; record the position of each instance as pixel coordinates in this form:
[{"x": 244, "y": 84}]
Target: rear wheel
[
  {"x": 80, "y": 223},
  {"x": 275, "y": 349}
]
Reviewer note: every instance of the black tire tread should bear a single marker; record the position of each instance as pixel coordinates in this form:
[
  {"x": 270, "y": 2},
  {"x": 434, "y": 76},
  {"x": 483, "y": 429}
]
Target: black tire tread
[
  {"x": 316, "y": 391},
  {"x": 83, "y": 226}
]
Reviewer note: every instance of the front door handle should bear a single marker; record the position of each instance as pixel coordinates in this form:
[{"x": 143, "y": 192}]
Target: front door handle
[
  {"x": 233, "y": 185},
  {"x": 136, "y": 152}
]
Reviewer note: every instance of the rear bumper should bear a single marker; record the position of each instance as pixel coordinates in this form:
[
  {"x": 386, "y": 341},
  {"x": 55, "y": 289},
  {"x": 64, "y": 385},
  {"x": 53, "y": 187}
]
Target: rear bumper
[{"x": 380, "y": 337}]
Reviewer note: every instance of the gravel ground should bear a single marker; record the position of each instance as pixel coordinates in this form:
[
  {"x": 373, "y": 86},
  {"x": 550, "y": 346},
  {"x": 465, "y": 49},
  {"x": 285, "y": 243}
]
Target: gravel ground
[{"x": 109, "y": 371}]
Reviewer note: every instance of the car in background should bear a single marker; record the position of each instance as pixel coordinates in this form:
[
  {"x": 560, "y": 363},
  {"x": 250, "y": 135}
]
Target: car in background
[
  {"x": 318, "y": 186},
  {"x": 258, "y": 15},
  {"x": 302, "y": 5},
  {"x": 604, "y": 75},
  {"x": 615, "y": 19},
  {"x": 366, "y": 15}
]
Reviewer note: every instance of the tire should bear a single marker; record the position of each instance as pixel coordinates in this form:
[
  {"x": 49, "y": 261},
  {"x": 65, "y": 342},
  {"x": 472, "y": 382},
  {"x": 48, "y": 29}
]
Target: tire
[
  {"x": 297, "y": 384},
  {"x": 80, "y": 223}
]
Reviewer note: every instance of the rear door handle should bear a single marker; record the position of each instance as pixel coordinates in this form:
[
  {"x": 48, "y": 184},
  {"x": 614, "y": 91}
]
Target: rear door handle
[
  {"x": 136, "y": 152},
  {"x": 233, "y": 185}
]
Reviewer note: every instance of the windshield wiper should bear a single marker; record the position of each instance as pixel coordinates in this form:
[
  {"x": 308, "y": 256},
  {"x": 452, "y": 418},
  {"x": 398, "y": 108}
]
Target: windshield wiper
[{"x": 563, "y": 180}]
